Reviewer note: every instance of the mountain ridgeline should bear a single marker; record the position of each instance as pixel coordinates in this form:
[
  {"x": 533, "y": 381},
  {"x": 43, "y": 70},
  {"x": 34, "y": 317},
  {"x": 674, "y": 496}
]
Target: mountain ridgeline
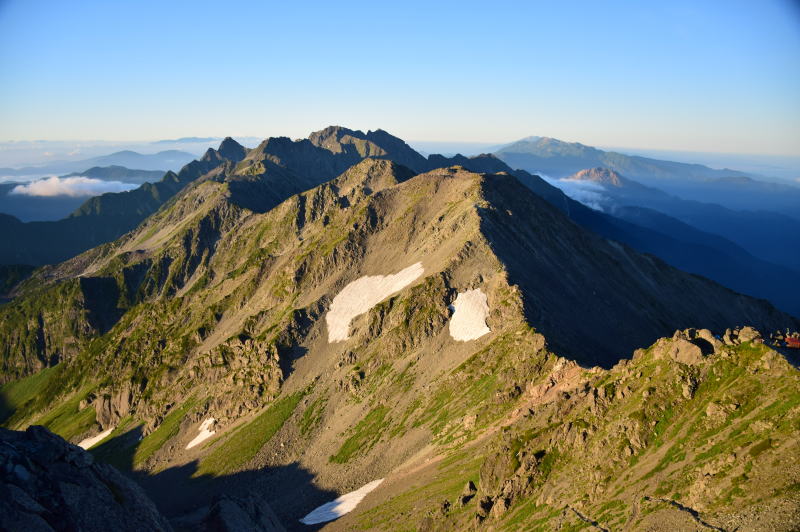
[
  {"x": 763, "y": 264},
  {"x": 311, "y": 316},
  {"x": 559, "y": 159},
  {"x": 281, "y": 167}
]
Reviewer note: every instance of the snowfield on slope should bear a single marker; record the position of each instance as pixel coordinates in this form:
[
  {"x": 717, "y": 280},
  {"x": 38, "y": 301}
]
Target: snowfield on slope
[
  {"x": 361, "y": 295},
  {"x": 90, "y": 442},
  {"x": 204, "y": 432},
  {"x": 340, "y": 506},
  {"x": 470, "y": 310}
]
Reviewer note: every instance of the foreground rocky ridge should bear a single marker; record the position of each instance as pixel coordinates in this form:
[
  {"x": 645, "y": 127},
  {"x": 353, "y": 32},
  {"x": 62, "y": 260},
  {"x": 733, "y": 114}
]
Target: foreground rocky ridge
[
  {"x": 217, "y": 311},
  {"x": 48, "y": 484}
]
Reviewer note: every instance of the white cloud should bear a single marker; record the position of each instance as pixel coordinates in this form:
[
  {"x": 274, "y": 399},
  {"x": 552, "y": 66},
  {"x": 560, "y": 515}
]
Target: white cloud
[
  {"x": 589, "y": 193},
  {"x": 70, "y": 186}
]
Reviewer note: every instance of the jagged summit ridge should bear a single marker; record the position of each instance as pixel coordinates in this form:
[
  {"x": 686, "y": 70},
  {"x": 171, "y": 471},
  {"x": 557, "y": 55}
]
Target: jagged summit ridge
[{"x": 377, "y": 143}]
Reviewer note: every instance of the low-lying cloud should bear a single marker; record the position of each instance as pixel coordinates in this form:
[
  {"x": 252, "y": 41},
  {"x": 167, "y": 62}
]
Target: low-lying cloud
[
  {"x": 590, "y": 194},
  {"x": 78, "y": 186}
]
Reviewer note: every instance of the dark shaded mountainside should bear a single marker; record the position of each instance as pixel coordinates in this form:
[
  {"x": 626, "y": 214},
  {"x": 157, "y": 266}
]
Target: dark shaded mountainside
[
  {"x": 771, "y": 236},
  {"x": 757, "y": 254},
  {"x": 49, "y": 484},
  {"x": 241, "y": 307}
]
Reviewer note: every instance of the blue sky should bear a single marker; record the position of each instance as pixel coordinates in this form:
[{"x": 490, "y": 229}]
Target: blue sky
[{"x": 698, "y": 75}]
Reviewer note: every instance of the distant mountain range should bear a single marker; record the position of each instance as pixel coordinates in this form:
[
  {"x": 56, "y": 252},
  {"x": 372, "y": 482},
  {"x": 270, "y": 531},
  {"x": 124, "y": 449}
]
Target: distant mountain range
[
  {"x": 558, "y": 159},
  {"x": 120, "y": 173},
  {"x": 50, "y": 207},
  {"x": 731, "y": 188},
  {"x": 163, "y": 161},
  {"x": 185, "y": 140}
]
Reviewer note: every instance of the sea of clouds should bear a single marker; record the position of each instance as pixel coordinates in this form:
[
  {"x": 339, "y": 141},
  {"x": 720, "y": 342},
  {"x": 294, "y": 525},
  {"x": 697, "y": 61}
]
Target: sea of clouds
[
  {"x": 590, "y": 194},
  {"x": 78, "y": 186}
]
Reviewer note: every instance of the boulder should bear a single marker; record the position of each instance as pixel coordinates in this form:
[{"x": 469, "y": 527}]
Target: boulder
[
  {"x": 467, "y": 493},
  {"x": 730, "y": 337},
  {"x": 749, "y": 334},
  {"x": 500, "y": 507},
  {"x": 679, "y": 350},
  {"x": 484, "y": 506}
]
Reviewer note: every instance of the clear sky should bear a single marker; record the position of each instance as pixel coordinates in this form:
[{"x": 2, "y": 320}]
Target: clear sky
[{"x": 693, "y": 75}]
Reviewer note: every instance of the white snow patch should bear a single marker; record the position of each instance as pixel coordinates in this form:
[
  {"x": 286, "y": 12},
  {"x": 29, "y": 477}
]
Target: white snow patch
[
  {"x": 361, "y": 295},
  {"x": 204, "y": 432},
  {"x": 90, "y": 442},
  {"x": 470, "y": 310},
  {"x": 338, "y": 507}
]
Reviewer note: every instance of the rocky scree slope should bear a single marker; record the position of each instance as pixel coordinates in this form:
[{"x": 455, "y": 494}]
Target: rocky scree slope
[
  {"x": 280, "y": 167},
  {"x": 623, "y": 300}
]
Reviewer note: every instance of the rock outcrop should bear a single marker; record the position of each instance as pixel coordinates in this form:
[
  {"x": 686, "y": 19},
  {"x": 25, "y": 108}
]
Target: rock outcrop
[
  {"x": 232, "y": 514},
  {"x": 50, "y": 484}
]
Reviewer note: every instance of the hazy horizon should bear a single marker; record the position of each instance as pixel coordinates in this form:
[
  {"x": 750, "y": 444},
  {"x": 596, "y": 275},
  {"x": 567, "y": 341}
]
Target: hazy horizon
[{"x": 782, "y": 167}]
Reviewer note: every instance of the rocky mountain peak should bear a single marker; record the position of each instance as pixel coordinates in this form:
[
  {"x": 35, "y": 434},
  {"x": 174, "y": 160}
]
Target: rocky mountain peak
[
  {"x": 605, "y": 176},
  {"x": 332, "y": 132},
  {"x": 231, "y": 150},
  {"x": 335, "y": 138},
  {"x": 378, "y": 143},
  {"x": 372, "y": 175}
]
